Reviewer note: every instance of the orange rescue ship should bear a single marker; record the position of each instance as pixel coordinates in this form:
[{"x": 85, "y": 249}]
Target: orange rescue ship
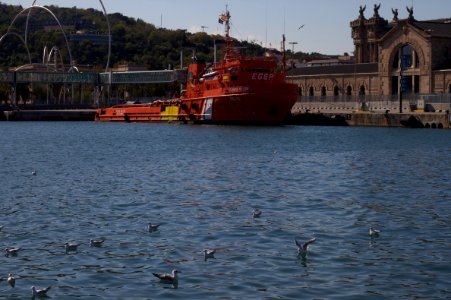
[{"x": 238, "y": 90}]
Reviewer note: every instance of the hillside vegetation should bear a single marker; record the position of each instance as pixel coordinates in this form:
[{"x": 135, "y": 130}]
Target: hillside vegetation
[{"x": 133, "y": 40}]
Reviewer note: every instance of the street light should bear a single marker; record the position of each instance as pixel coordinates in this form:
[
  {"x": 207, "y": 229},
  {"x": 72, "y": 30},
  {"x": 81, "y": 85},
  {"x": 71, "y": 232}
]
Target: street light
[{"x": 292, "y": 44}]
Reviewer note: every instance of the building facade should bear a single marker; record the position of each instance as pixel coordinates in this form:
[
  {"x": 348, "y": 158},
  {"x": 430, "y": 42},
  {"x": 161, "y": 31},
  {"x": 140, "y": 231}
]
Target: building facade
[{"x": 399, "y": 57}]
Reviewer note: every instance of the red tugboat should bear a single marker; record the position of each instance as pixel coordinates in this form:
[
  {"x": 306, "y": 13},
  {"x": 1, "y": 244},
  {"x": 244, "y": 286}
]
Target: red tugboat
[{"x": 238, "y": 90}]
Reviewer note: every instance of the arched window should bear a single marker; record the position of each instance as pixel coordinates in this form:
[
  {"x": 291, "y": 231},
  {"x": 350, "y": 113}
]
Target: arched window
[
  {"x": 336, "y": 90},
  {"x": 323, "y": 91},
  {"x": 300, "y": 91},
  {"x": 406, "y": 57},
  {"x": 349, "y": 90},
  {"x": 407, "y": 61},
  {"x": 311, "y": 92}
]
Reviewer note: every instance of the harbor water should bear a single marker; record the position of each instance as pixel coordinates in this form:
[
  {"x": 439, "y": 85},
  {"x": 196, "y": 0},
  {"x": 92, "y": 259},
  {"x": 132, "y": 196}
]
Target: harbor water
[{"x": 201, "y": 183}]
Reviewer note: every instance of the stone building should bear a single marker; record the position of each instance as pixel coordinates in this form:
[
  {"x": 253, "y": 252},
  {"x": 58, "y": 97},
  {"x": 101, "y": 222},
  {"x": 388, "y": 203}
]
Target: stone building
[{"x": 401, "y": 56}]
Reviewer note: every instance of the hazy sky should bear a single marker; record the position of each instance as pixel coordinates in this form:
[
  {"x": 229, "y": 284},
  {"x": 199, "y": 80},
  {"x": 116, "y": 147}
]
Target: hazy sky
[{"x": 326, "y": 22}]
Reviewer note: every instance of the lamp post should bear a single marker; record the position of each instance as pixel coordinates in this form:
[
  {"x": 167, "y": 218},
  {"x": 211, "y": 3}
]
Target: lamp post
[{"x": 292, "y": 46}]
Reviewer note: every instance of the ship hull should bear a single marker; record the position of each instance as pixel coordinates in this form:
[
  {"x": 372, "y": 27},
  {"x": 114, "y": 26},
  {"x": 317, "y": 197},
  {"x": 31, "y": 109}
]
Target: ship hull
[{"x": 266, "y": 107}]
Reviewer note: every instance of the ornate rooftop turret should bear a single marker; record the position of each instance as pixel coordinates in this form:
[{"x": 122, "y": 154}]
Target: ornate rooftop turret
[
  {"x": 395, "y": 15},
  {"x": 365, "y": 33},
  {"x": 410, "y": 11},
  {"x": 376, "y": 10}
]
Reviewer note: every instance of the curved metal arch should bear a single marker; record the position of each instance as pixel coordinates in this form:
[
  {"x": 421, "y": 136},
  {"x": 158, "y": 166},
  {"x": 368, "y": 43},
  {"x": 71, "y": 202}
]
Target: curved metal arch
[
  {"x": 56, "y": 19},
  {"x": 26, "y": 23},
  {"x": 109, "y": 36},
  {"x": 53, "y": 52},
  {"x": 109, "y": 32},
  {"x": 21, "y": 39}
]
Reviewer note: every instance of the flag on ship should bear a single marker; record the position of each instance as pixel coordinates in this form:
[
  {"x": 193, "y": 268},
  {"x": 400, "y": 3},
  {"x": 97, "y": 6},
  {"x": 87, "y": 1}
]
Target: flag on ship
[{"x": 223, "y": 18}]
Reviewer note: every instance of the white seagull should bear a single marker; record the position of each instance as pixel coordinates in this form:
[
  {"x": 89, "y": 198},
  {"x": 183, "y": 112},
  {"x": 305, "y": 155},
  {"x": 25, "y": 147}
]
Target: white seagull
[
  {"x": 302, "y": 249},
  {"x": 153, "y": 227},
  {"x": 256, "y": 213},
  {"x": 70, "y": 247},
  {"x": 168, "y": 278},
  {"x": 34, "y": 172},
  {"x": 96, "y": 243},
  {"x": 39, "y": 292},
  {"x": 12, "y": 251},
  {"x": 374, "y": 232},
  {"x": 11, "y": 280},
  {"x": 209, "y": 253}
]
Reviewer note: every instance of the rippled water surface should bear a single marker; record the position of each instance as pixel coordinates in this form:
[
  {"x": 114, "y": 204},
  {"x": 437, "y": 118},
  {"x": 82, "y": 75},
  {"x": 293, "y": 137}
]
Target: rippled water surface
[{"x": 103, "y": 180}]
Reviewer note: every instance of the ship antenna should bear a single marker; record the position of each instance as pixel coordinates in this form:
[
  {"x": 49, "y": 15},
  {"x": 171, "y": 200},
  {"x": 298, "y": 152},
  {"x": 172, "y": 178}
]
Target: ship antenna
[
  {"x": 225, "y": 19},
  {"x": 284, "y": 58},
  {"x": 227, "y": 23}
]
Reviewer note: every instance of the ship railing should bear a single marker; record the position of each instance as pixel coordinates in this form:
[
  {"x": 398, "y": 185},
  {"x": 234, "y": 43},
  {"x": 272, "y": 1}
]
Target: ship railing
[{"x": 162, "y": 76}]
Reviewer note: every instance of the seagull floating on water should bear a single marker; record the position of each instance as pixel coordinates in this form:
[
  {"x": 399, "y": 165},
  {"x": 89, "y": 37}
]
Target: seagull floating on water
[
  {"x": 374, "y": 232},
  {"x": 12, "y": 251},
  {"x": 256, "y": 213},
  {"x": 302, "y": 249},
  {"x": 34, "y": 172},
  {"x": 209, "y": 253},
  {"x": 70, "y": 247},
  {"x": 168, "y": 278},
  {"x": 96, "y": 243},
  {"x": 11, "y": 280},
  {"x": 153, "y": 227},
  {"x": 39, "y": 292}
]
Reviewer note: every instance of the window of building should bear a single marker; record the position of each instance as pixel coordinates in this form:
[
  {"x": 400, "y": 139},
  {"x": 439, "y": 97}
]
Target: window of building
[
  {"x": 336, "y": 90},
  {"x": 406, "y": 57},
  {"x": 323, "y": 91},
  {"x": 349, "y": 90},
  {"x": 311, "y": 92},
  {"x": 300, "y": 91},
  {"x": 416, "y": 84},
  {"x": 362, "y": 90}
]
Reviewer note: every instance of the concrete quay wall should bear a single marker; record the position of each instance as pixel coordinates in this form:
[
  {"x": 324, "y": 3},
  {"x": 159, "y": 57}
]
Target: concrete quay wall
[
  {"x": 339, "y": 116},
  {"x": 49, "y": 115}
]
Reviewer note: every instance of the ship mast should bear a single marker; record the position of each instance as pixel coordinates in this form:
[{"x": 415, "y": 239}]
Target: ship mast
[
  {"x": 225, "y": 19},
  {"x": 284, "y": 57}
]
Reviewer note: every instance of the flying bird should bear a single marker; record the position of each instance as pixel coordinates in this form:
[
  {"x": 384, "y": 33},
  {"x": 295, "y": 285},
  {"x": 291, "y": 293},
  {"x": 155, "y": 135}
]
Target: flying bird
[
  {"x": 302, "y": 249},
  {"x": 302, "y": 26},
  {"x": 168, "y": 278},
  {"x": 39, "y": 292}
]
